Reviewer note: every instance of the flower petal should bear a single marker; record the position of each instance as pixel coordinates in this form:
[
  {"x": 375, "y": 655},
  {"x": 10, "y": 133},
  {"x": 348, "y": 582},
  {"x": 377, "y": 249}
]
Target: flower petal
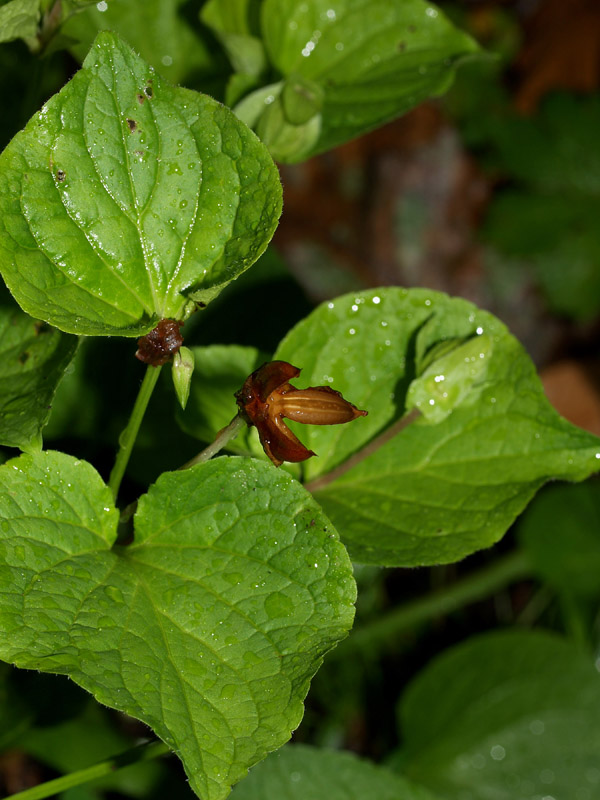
[
  {"x": 317, "y": 405},
  {"x": 278, "y": 441}
]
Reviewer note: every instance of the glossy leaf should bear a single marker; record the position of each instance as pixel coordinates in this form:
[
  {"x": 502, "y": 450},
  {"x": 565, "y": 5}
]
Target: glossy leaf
[
  {"x": 126, "y": 200},
  {"x": 300, "y": 772},
  {"x": 208, "y": 627},
  {"x": 19, "y": 19},
  {"x": 33, "y": 359},
  {"x": 445, "y": 486},
  {"x": 506, "y": 715},
  {"x": 371, "y": 61}
]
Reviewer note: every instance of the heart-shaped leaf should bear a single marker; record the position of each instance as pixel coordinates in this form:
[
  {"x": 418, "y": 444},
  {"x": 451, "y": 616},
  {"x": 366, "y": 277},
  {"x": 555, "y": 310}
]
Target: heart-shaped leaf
[
  {"x": 125, "y": 200},
  {"x": 208, "y": 627},
  {"x": 453, "y": 481},
  {"x": 33, "y": 359}
]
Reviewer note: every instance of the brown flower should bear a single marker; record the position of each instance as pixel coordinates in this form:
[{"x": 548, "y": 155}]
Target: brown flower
[{"x": 267, "y": 397}]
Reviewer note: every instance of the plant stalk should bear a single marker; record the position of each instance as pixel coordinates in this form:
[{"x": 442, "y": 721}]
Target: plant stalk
[
  {"x": 129, "y": 434},
  {"x": 324, "y": 480},
  {"x": 224, "y": 436},
  {"x": 51, "y": 788}
]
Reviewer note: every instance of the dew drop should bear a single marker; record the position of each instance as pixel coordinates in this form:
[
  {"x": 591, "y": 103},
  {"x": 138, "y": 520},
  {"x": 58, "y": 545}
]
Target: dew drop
[{"x": 114, "y": 593}]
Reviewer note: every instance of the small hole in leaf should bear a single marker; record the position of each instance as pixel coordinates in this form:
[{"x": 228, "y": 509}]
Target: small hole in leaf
[
  {"x": 140, "y": 98},
  {"x": 149, "y": 91},
  {"x": 24, "y": 357},
  {"x": 60, "y": 175},
  {"x": 131, "y": 124}
]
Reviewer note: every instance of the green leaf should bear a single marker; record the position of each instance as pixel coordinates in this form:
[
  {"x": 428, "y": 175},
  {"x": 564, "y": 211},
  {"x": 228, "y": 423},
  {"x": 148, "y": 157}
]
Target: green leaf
[
  {"x": 448, "y": 380},
  {"x": 208, "y": 627},
  {"x": 235, "y": 22},
  {"x": 300, "y": 772},
  {"x": 33, "y": 359},
  {"x": 440, "y": 489},
  {"x": 506, "y": 715},
  {"x": 19, "y": 19},
  {"x": 373, "y": 61},
  {"x": 561, "y": 534},
  {"x": 159, "y": 30},
  {"x": 126, "y": 200},
  {"x": 284, "y": 139},
  {"x": 220, "y": 372},
  {"x": 232, "y": 16}
]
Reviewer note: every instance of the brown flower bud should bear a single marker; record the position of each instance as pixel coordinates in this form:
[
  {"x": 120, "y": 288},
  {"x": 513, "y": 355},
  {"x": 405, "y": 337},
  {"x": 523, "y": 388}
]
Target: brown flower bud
[
  {"x": 267, "y": 397},
  {"x": 158, "y": 346}
]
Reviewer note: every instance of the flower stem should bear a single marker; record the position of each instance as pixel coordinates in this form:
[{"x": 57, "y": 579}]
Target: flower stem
[
  {"x": 129, "y": 434},
  {"x": 224, "y": 436},
  {"x": 51, "y": 788},
  {"x": 324, "y": 480}
]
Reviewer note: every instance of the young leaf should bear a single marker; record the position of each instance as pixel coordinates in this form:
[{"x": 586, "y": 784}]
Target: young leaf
[
  {"x": 125, "y": 200},
  {"x": 33, "y": 359},
  {"x": 372, "y": 62},
  {"x": 299, "y": 772},
  {"x": 448, "y": 484},
  {"x": 208, "y": 627},
  {"x": 505, "y": 715}
]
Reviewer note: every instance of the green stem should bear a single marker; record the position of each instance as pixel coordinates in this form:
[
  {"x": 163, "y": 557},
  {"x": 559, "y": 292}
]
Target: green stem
[
  {"x": 324, "y": 480},
  {"x": 51, "y": 788},
  {"x": 376, "y": 636},
  {"x": 128, "y": 436},
  {"x": 224, "y": 436}
]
